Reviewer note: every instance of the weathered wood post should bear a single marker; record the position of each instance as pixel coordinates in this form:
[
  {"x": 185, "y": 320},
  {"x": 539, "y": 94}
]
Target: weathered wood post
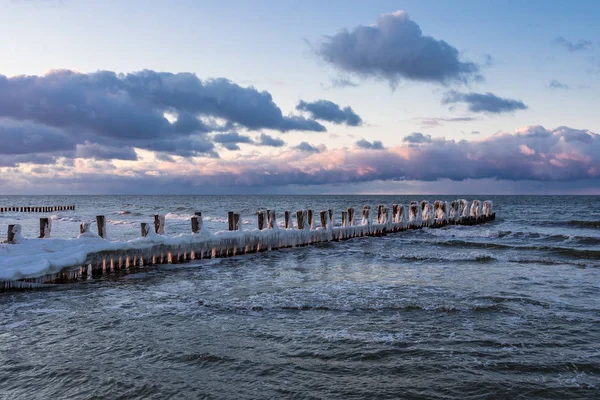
[
  {"x": 10, "y": 237},
  {"x": 261, "y": 220},
  {"x": 379, "y": 213},
  {"x": 331, "y": 217},
  {"x": 44, "y": 228},
  {"x": 100, "y": 221},
  {"x": 344, "y": 219},
  {"x": 287, "y": 216},
  {"x": 145, "y": 229},
  {"x": 197, "y": 222},
  {"x": 230, "y": 220},
  {"x": 311, "y": 220},
  {"x": 84, "y": 228},
  {"x": 300, "y": 219},
  {"x": 159, "y": 224},
  {"x": 324, "y": 219},
  {"x": 236, "y": 222},
  {"x": 351, "y": 221},
  {"x": 272, "y": 218}
]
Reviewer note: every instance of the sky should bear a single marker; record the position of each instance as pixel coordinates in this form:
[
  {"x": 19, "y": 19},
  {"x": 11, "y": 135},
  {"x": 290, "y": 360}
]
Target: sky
[{"x": 299, "y": 97}]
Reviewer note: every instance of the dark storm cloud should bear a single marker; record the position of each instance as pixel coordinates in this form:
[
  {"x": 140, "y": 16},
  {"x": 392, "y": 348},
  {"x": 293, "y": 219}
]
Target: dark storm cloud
[
  {"x": 580, "y": 45},
  {"x": 231, "y": 137},
  {"x": 365, "y": 144},
  {"x": 307, "y": 147},
  {"x": 99, "y": 152},
  {"x": 326, "y": 110},
  {"x": 394, "y": 49},
  {"x": 266, "y": 140},
  {"x": 484, "y": 102},
  {"x": 417, "y": 137},
  {"x": 18, "y": 137}
]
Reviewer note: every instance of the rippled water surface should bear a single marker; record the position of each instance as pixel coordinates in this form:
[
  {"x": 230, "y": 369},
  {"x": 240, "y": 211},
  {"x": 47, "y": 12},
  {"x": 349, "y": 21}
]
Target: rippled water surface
[{"x": 510, "y": 309}]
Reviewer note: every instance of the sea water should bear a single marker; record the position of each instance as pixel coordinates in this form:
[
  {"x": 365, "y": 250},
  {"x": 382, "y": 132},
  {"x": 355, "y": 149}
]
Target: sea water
[{"x": 501, "y": 310}]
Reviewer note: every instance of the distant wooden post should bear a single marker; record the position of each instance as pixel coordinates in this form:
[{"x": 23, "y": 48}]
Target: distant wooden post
[
  {"x": 300, "y": 219},
  {"x": 236, "y": 222},
  {"x": 230, "y": 220},
  {"x": 197, "y": 222},
  {"x": 159, "y": 224},
  {"x": 10, "y": 237},
  {"x": 323, "y": 219},
  {"x": 145, "y": 229},
  {"x": 100, "y": 221},
  {"x": 84, "y": 228},
  {"x": 311, "y": 219},
  {"x": 287, "y": 216},
  {"x": 261, "y": 220},
  {"x": 44, "y": 228}
]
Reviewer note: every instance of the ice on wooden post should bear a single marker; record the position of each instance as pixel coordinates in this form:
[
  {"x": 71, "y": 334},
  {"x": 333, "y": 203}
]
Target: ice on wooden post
[
  {"x": 287, "y": 219},
  {"x": 413, "y": 212},
  {"x": 475, "y": 209},
  {"x": 272, "y": 220},
  {"x": 344, "y": 219},
  {"x": 463, "y": 208},
  {"x": 351, "y": 220},
  {"x": 366, "y": 220},
  {"x": 84, "y": 229},
  {"x": 488, "y": 208},
  {"x": 10, "y": 237},
  {"x": 145, "y": 227},
  {"x": 197, "y": 222},
  {"x": 236, "y": 222},
  {"x": 300, "y": 218},
  {"x": 159, "y": 224},
  {"x": 311, "y": 219},
  {"x": 331, "y": 217},
  {"x": 261, "y": 219},
  {"x": 230, "y": 223},
  {"x": 323, "y": 215},
  {"x": 45, "y": 228},
  {"x": 101, "y": 223}
]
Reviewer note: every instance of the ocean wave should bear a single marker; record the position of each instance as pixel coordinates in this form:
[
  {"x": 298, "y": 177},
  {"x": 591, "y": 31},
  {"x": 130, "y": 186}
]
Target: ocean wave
[
  {"x": 574, "y": 224},
  {"x": 566, "y": 251},
  {"x": 481, "y": 258}
]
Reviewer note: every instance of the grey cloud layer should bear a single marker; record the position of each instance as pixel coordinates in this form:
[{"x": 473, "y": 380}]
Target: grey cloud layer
[
  {"x": 393, "y": 49},
  {"x": 326, "y": 110},
  {"x": 484, "y": 102}
]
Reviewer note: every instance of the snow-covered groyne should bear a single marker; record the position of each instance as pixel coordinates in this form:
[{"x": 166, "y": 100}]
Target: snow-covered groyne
[{"x": 35, "y": 262}]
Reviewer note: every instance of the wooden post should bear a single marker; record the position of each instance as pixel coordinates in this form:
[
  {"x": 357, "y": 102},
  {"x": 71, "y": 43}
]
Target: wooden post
[
  {"x": 379, "y": 213},
  {"x": 351, "y": 216},
  {"x": 84, "y": 228},
  {"x": 344, "y": 219},
  {"x": 311, "y": 219},
  {"x": 10, "y": 237},
  {"x": 261, "y": 220},
  {"x": 300, "y": 219},
  {"x": 145, "y": 229},
  {"x": 230, "y": 220},
  {"x": 272, "y": 216},
  {"x": 287, "y": 216},
  {"x": 323, "y": 219},
  {"x": 159, "y": 224},
  {"x": 44, "y": 228},
  {"x": 236, "y": 222},
  {"x": 331, "y": 217},
  {"x": 101, "y": 226}
]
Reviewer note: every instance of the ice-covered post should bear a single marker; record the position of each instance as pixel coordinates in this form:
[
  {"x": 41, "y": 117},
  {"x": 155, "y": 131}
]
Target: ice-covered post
[
  {"x": 236, "y": 222},
  {"x": 344, "y": 219},
  {"x": 311, "y": 221},
  {"x": 331, "y": 217},
  {"x": 380, "y": 213},
  {"x": 272, "y": 219},
  {"x": 230, "y": 220},
  {"x": 197, "y": 222},
  {"x": 159, "y": 224},
  {"x": 10, "y": 237},
  {"x": 365, "y": 215},
  {"x": 44, "y": 228},
  {"x": 261, "y": 220},
  {"x": 101, "y": 222},
  {"x": 145, "y": 229},
  {"x": 323, "y": 219},
  {"x": 300, "y": 219},
  {"x": 84, "y": 228},
  {"x": 288, "y": 219},
  {"x": 351, "y": 216}
]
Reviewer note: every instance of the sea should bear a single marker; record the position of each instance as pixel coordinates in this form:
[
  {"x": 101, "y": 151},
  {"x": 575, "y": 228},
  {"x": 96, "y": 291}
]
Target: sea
[{"x": 505, "y": 310}]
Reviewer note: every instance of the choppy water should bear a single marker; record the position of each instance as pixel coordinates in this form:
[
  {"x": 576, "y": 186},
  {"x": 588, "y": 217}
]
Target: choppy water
[{"x": 505, "y": 310}]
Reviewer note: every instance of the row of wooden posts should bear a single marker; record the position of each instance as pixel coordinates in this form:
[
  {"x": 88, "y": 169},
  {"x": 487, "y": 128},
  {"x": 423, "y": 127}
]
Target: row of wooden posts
[
  {"x": 37, "y": 209},
  {"x": 267, "y": 219}
]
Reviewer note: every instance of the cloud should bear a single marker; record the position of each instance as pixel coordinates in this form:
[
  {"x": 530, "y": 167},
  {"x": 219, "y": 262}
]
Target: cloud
[
  {"x": 484, "y": 102},
  {"x": 342, "y": 83},
  {"x": 572, "y": 47},
  {"x": 266, "y": 140},
  {"x": 326, "y": 110},
  {"x": 365, "y": 144},
  {"x": 394, "y": 49},
  {"x": 531, "y": 154},
  {"x": 417, "y": 137},
  {"x": 23, "y": 137},
  {"x": 99, "y": 152},
  {"x": 435, "y": 122},
  {"x": 307, "y": 148},
  {"x": 554, "y": 84}
]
